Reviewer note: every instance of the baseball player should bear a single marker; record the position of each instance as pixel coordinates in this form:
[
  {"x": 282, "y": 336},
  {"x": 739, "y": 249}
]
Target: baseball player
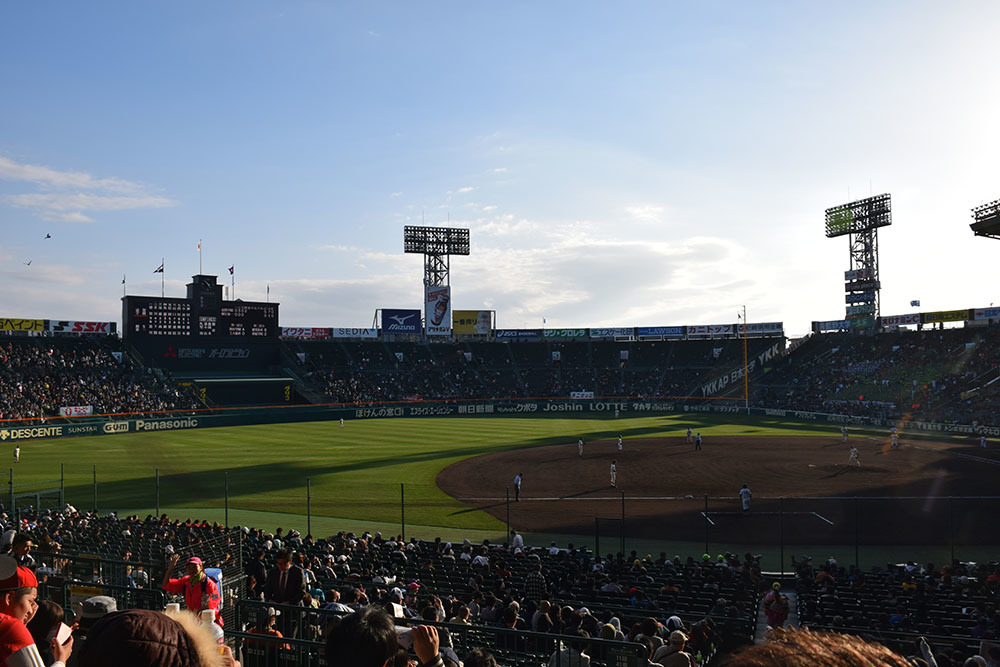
[
  {"x": 341, "y": 422},
  {"x": 854, "y": 457},
  {"x": 619, "y": 444},
  {"x": 612, "y": 472},
  {"x": 579, "y": 446},
  {"x": 895, "y": 439},
  {"x": 697, "y": 442},
  {"x": 689, "y": 435},
  {"x": 17, "y": 453},
  {"x": 745, "y": 496},
  {"x": 843, "y": 434},
  {"x": 982, "y": 441},
  {"x": 517, "y": 488}
]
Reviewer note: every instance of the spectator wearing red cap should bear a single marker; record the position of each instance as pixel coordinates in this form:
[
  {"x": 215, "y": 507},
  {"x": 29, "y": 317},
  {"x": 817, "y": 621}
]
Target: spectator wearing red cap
[
  {"x": 200, "y": 591},
  {"x": 18, "y": 594}
]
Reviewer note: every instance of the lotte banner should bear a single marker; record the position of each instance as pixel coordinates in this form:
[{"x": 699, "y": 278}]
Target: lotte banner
[{"x": 437, "y": 310}]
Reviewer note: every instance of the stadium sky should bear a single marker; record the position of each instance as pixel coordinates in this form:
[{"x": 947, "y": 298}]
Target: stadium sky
[{"x": 645, "y": 163}]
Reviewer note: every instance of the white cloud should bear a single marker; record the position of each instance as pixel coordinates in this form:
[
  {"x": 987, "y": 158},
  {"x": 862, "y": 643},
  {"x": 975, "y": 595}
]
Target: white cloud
[
  {"x": 500, "y": 170},
  {"x": 487, "y": 209},
  {"x": 467, "y": 188},
  {"x": 645, "y": 212},
  {"x": 12, "y": 171},
  {"x": 396, "y": 194},
  {"x": 113, "y": 194}
]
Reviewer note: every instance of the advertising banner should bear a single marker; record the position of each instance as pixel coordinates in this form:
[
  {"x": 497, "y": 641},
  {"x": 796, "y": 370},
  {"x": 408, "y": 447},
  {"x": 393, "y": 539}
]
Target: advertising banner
[
  {"x": 711, "y": 330},
  {"x": 946, "y": 316},
  {"x": 72, "y": 326},
  {"x": 900, "y": 320},
  {"x": 305, "y": 332},
  {"x": 862, "y": 322},
  {"x": 861, "y": 297},
  {"x": 863, "y": 286},
  {"x": 437, "y": 310},
  {"x": 356, "y": 332},
  {"x": 581, "y": 394},
  {"x": 400, "y": 321},
  {"x": 986, "y": 313},
  {"x": 76, "y": 410},
  {"x": 762, "y": 328},
  {"x": 564, "y": 333},
  {"x": 614, "y": 332},
  {"x": 666, "y": 332},
  {"x": 508, "y": 334},
  {"x": 863, "y": 309},
  {"x": 14, "y": 324},
  {"x": 831, "y": 325},
  {"x": 859, "y": 274},
  {"x": 471, "y": 322}
]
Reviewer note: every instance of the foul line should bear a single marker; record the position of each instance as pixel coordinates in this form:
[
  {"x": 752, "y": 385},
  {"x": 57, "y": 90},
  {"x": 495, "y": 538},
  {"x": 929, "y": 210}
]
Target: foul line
[{"x": 751, "y": 512}]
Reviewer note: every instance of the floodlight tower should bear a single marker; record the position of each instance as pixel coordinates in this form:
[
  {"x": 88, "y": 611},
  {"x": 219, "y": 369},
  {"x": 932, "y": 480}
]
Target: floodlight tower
[
  {"x": 436, "y": 244},
  {"x": 859, "y": 221},
  {"x": 987, "y": 220}
]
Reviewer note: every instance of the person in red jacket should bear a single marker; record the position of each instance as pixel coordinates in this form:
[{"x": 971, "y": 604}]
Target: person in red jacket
[
  {"x": 18, "y": 593},
  {"x": 200, "y": 591}
]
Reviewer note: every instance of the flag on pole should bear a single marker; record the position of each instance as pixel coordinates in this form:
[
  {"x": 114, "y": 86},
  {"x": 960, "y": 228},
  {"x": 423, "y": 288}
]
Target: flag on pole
[
  {"x": 159, "y": 269},
  {"x": 123, "y": 279},
  {"x": 915, "y": 303},
  {"x": 232, "y": 269},
  {"x": 199, "y": 244}
]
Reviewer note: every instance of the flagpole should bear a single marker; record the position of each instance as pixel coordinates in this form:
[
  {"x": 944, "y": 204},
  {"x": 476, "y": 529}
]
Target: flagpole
[
  {"x": 199, "y": 257},
  {"x": 162, "y": 266},
  {"x": 123, "y": 285}
]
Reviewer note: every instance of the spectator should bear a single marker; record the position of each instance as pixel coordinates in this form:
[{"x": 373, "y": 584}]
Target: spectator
[
  {"x": 367, "y": 638},
  {"x": 200, "y": 591},
  {"x": 18, "y": 594},
  {"x": 802, "y": 647},
  {"x": 673, "y": 654},
  {"x": 145, "y": 638},
  {"x": 47, "y": 619}
]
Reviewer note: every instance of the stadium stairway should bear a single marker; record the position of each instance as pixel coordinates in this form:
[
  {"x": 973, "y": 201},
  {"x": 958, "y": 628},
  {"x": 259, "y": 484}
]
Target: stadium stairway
[{"x": 793, "y": 616}]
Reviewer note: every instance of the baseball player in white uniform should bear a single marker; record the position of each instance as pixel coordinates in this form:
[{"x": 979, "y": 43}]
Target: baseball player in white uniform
[
  {"x": 613, "y": 473},
  {"x": 895, "y": 439},
  {"x": 689, "y": 435},
  {"x": 619, "y": 444},
  {"x": 745, "y": 496},
  {"x": 579, "y": 446},
  {"x": 843, "y": 434},
  {"x": 854, "y": 457}
]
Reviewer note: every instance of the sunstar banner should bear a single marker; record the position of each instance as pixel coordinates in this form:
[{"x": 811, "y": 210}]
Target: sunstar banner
[
  {"x": 471, "y": 322},
  {"x": 400, "y": 321},
  {"x": 437, "y": 310}
]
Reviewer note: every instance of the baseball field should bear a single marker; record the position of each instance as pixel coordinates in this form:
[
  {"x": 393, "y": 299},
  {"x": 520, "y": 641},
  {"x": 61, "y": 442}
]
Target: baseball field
[{"x": 452, "y": 476}]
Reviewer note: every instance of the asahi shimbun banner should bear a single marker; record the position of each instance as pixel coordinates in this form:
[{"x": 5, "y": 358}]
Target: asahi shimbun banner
[
  {"x": 471, "y": 322},
  {"x": 437, "y": 310},
  {"x": 400, "y": 321}
]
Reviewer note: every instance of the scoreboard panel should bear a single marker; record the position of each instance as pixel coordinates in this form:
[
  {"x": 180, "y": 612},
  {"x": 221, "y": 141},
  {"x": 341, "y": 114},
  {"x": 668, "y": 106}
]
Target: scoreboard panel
[{"x": 202, "y": 314}]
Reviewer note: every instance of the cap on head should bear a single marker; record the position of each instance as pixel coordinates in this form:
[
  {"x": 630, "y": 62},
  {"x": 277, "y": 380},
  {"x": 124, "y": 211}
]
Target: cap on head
[
  {"x": 193, "y": 560},
  {"x": 14, "y": 576}
]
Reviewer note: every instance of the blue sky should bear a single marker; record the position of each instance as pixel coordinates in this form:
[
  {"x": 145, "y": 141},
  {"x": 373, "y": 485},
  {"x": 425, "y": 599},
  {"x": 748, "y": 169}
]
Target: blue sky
[{"x": 618, "y": 164}]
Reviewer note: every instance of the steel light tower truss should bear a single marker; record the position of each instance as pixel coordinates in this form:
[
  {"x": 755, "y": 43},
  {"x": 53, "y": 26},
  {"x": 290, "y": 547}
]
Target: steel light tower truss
[
  {"x": 987, "y": 220},
  {"x": 436, "y": 244},
  {"x": 860, "y": 221}
]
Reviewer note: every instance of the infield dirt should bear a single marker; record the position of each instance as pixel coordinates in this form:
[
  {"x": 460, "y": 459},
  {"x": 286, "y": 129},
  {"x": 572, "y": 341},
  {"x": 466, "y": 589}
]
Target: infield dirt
[{"x": 804, "y": 491}]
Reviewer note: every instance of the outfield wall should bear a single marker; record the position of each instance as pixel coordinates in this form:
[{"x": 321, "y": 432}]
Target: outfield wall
[{"x": 593, "y": 407}]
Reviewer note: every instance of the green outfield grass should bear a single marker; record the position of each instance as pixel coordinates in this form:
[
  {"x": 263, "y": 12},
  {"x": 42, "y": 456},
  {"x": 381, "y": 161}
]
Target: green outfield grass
[{"x": 355, "y": 472}]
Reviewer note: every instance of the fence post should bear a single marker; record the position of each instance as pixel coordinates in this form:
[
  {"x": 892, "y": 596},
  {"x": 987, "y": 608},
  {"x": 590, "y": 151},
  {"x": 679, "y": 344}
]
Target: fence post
[
  {"x": 62, "y": 484},
  {"x": 623, "y": 525},
  {"x": 597, "y": 537},
  {"x": 309, "y": 506},
  {"x": 708, "y": 523},
  {"x": 227, "y": 500},
  {"x": 13, "y": 509},
  {"x": 857, "y": 531},
  {"x": 781, "y": 534},
  {"x": 508, "y": 512},
  {"x": 951, "y": 527},
  {"x": 402, "y": 512},
  {"x": 95, "y": 488},
  {"x": 157, "y": 493}
]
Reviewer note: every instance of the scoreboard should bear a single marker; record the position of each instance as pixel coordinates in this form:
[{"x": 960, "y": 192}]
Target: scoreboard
[{"x": 202, "y": 314}]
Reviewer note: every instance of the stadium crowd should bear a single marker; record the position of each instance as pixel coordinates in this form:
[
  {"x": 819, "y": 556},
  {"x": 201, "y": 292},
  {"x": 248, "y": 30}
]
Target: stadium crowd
[
  {"x": 40, "y": 376},
  {"x": 510, "y": 603}
]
